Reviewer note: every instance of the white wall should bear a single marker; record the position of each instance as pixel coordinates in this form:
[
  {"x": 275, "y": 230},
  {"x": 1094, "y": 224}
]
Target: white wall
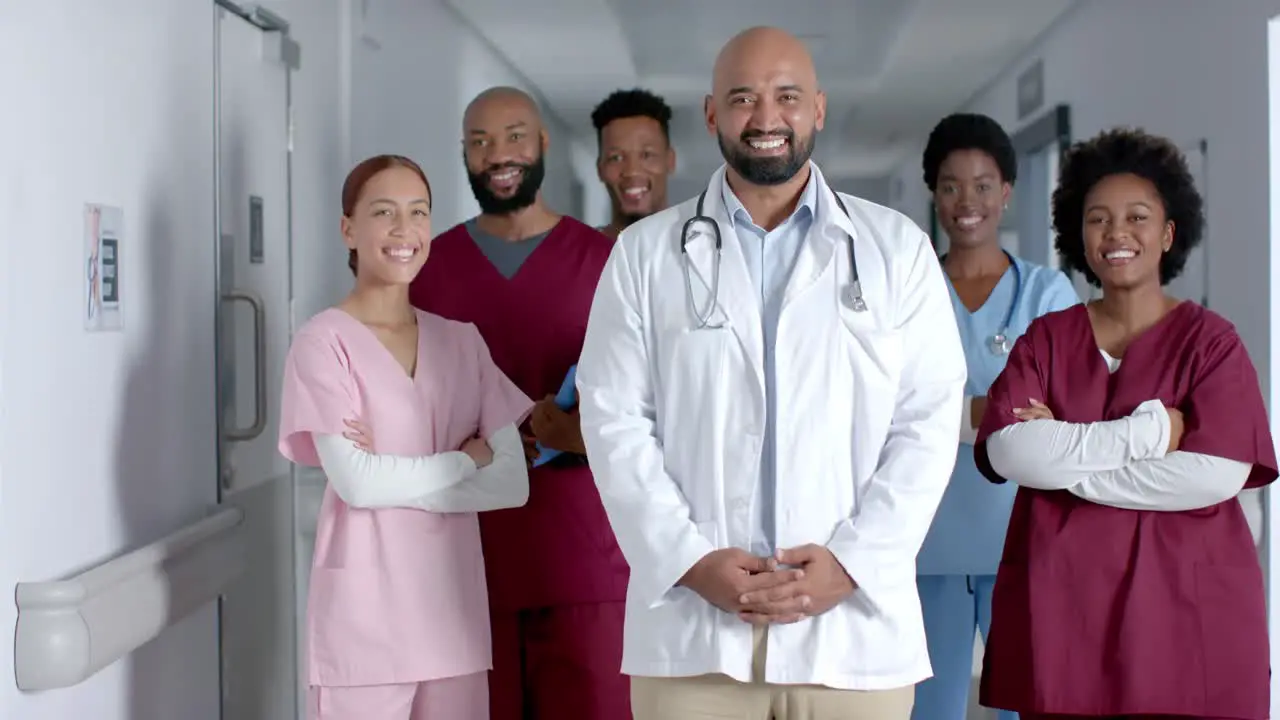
[
  {"x": 320, "y": 276},
  {"x": 875, "y": 189},
  {"x": 107, "y": 440},
  {"x": 907, "y": 193},
  {"x": 597, "y": 207},
  {"x": 407, "y": 98},
  {"x": 1202, "y": 75},
  {"x": 1200, "y": 71}
]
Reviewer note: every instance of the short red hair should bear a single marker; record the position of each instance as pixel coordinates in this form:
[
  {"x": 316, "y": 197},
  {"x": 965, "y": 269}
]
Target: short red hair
[{"x": 360, "y": 176}]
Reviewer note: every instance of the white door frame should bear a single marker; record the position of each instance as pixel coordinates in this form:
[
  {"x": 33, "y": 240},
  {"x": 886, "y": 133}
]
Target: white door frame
[
  {"x": 1271, "y": 502},
  {"x": 271, "y": 24}
]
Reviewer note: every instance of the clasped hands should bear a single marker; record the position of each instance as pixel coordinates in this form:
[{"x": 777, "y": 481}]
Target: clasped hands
[{"x": 792, "y": 585}]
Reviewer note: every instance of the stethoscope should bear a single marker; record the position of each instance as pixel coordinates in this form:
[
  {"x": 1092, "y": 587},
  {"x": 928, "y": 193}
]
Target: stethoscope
[
  {"x": 1000, "y": 344},
  {"x": 852, "y": 294}
]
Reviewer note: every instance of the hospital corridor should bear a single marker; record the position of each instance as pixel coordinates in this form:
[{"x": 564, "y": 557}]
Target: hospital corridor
[{"x": 652, "y": 359}]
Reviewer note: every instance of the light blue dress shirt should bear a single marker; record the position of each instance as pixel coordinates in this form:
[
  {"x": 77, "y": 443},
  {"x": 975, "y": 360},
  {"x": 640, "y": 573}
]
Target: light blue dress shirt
[
  {"x": 770, "y": 257},
  {"x": 967, "y": 535}
]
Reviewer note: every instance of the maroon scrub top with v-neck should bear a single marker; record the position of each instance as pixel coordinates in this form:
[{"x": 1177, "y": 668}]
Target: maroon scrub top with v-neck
[
  {"x": 558, "y": 549},
  {"x": 1104, "y": 612}
]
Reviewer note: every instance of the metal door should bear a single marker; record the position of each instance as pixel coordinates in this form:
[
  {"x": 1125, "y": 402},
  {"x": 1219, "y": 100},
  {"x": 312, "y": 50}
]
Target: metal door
[
  {"x": 254, "y": 57},
  {"x": 1031, "y": 206}
]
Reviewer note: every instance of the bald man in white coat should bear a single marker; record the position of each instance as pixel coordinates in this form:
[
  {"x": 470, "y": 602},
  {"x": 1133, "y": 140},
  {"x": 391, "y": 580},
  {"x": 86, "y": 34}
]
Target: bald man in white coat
[{"x": 772, "y": 433}]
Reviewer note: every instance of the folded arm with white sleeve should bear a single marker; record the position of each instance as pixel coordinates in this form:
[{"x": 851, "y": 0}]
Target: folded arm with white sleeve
[
  {"x": 1125, "y": 463},
  {"x": 878, "y": 544},
  {"x": 969, "y": 422},
  {"x": 444, "y": 482}
]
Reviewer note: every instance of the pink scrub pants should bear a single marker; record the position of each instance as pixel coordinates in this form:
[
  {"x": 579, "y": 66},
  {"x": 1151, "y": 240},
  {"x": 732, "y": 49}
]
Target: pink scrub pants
[{"x": 456, "y": 698}]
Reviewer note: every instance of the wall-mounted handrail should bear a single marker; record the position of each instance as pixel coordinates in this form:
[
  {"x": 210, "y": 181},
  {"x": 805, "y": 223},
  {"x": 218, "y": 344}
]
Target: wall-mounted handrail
[{"x": 70, "y": 629}]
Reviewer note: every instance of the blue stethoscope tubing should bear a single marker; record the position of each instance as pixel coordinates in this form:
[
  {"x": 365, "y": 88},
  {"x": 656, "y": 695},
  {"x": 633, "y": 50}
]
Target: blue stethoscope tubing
[
  {"x": 852, "y": 294},
  {"x": 999, "y": 343}
]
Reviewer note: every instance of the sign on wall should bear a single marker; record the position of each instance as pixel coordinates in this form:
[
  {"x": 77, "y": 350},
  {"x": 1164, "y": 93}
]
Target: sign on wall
[
  {"x": 1031, "y": 89},
  {"x": 103, "y": 230}
]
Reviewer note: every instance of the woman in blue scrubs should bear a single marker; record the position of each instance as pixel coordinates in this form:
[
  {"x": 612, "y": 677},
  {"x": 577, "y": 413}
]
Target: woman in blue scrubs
[{"x": 970, "y": 167}]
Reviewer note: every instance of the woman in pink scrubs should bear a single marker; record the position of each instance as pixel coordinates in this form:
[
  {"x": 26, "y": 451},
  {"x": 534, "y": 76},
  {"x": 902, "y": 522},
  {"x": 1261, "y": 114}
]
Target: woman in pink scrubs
[{"x": 415, "y": 428}]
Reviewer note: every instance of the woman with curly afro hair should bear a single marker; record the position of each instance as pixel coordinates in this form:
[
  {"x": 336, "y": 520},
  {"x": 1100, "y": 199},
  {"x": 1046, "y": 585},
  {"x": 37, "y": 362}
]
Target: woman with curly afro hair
[
  {"x": 1129, "y": 585},
  {"x": 970, "y": 167}
]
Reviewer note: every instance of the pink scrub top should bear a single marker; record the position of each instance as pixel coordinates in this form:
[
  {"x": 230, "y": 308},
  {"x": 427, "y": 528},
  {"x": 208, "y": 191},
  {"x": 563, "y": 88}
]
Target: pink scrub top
[{"x": 397, "y": 595}]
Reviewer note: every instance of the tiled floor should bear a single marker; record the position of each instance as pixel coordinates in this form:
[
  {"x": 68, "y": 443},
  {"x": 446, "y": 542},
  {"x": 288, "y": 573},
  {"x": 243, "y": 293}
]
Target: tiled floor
[{"x": 976, "y": 712}]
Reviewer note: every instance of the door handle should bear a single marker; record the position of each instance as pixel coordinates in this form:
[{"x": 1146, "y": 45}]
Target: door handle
[{"x": 259, "y": 366}]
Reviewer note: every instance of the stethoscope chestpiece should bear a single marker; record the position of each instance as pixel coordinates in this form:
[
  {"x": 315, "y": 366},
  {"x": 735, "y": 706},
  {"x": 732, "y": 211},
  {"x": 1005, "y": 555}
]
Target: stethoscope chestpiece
[
  {"x": 1000, "y": 344},
  {"x": 853, "y": 297}
]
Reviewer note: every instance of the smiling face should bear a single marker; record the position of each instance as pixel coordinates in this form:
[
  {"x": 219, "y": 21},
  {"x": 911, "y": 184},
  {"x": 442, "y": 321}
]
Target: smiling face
[
  {"x": 765, "y": 108},
  {"x": 635, "y": 160},
  {"x": 1126, "y": 231},
  {"x": 503, "y": 151},
  {"x": 389, "y": 227},
  {"x": 970, "y": 198}
]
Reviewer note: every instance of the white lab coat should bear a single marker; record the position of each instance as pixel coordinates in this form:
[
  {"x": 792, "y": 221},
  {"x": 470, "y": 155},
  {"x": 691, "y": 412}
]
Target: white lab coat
[{"x": 867, "y": 426}]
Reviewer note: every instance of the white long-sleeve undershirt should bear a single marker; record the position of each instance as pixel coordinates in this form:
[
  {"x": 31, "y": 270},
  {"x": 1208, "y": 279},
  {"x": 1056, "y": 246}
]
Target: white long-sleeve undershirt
[
  {"x": 444, "y": 482},
  {"x": 968, "y": 426},
  {"x": 1122, "y": 463}
]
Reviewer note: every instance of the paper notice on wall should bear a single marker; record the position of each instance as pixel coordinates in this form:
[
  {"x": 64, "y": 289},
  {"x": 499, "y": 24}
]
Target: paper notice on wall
[{"x": 100, "y": 273}]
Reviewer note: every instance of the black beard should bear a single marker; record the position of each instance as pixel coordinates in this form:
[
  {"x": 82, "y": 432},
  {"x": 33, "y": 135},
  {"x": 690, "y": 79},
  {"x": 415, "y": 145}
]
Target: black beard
[
  {"x": 525, "y": 195},
  {"x": 770, "y": 170}
]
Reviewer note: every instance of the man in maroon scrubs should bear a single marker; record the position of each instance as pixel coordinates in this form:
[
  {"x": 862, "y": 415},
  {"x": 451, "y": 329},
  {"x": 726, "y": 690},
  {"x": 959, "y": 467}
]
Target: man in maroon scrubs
[{"x": 525, "y": 276}]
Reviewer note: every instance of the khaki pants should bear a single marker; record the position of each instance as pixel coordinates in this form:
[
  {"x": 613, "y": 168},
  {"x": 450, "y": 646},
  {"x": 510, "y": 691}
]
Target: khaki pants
[{"x": 714, "y": 697}]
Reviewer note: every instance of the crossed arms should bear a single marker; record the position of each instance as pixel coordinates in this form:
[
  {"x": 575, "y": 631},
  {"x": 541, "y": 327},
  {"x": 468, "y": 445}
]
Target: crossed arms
[
  {"x": 456, "y": 481},
  {"x": 1131, "y": 463}
]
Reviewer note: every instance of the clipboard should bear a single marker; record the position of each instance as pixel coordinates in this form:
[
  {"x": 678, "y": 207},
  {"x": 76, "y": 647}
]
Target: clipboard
[{"x": 565, "y": 400}]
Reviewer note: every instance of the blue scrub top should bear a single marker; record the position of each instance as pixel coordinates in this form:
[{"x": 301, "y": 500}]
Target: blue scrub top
[{"x": 967, "y": 535}]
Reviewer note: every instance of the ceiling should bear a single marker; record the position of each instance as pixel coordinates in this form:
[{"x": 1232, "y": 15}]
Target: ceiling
[{"x": 890, "y": 68}]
